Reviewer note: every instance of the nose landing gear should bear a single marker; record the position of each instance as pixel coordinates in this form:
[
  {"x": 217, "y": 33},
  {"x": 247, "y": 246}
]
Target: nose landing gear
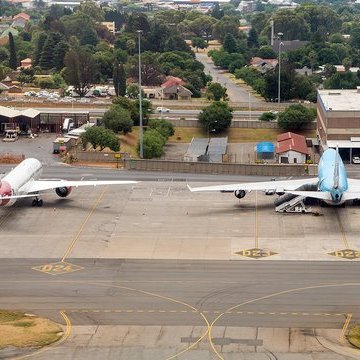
[{"x": 37, "y": 202}]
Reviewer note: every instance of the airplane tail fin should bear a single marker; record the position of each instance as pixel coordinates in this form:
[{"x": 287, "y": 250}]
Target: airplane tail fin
[{"x": 336, "y": 168}]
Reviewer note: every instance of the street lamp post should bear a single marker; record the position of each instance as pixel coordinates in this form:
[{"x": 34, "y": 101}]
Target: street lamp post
[
  {"x": 140, "y": 101},
  {"x": 279, "y": 35}
]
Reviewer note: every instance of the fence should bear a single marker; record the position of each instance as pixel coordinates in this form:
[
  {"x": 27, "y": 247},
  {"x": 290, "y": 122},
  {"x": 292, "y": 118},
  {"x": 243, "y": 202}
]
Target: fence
[
  {"x": 220, "y": 168},
  {"x": 251, "y": 124}
]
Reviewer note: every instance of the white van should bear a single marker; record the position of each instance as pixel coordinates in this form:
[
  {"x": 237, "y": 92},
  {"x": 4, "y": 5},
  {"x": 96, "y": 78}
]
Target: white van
[{"x": 68, "y": 124}]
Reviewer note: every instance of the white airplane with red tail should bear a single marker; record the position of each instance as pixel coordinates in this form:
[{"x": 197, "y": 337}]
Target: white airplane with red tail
[{"x": 21, "y": 182}]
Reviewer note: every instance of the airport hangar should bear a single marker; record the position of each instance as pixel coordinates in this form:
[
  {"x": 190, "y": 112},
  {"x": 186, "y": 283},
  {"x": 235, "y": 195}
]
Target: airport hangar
[
  {"x": 39, "y": 121},
  {"x": 338, "y": 121}
]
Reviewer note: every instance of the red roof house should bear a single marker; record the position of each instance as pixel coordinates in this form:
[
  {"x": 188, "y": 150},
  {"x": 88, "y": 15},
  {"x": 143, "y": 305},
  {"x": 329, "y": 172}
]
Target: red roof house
[
  {"x": 291, "y": 148},
  {"x": 21, "y": 16}
]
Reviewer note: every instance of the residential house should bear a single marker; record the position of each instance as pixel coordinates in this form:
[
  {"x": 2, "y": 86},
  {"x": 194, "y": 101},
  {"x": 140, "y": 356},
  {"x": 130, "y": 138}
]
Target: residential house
[
  {"x": 26, "y": 63},
  {"x": 263, "y": 65}
]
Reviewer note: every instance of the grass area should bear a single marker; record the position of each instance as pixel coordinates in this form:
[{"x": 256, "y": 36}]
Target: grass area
[
  {"x": 184, "y": 134},
  {"x": 20, "y": 330},
  {"x": 354, "y": 336}
]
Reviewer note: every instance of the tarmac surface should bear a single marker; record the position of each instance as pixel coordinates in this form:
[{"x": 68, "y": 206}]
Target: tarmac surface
[{"x": 152, "y": 271}]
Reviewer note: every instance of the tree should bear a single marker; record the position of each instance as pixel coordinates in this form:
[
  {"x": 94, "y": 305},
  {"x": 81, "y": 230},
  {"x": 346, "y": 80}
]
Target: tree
[
  {"x": 216, "y": 12},
  {"x": 12, "y": 50},
  {"x": 252, "y": 40},
  {"x": 98, "y": 136},
  {"x": 230, "y": 44},
  {"x": 216, "y": 116},
  {"x": 198, "y": 43},
  {"x": 164, "y": 127},
  {"x": 295, "y": 117},
  {"x": 48, "y": 51},
  {"x": 118, "y": 119},
  {"x": 133, "y": 107},
  {"x": 153, "y": 144},
  {"x": 26, "y": 75},
  {"x": 80, "y": 70},
  {"x": 39, "y": 44},
  {"x": 216, "y": 92},
  {"x": 122, "y": 81},
  {"x": 59, "y": 54}
]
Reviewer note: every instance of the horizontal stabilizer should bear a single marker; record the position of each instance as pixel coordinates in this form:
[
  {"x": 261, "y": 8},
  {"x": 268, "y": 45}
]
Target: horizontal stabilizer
[
  {"x": 18, "y": 196},
  {"x": 351, "y": 195},
  {"x": 322, "y": 195}
]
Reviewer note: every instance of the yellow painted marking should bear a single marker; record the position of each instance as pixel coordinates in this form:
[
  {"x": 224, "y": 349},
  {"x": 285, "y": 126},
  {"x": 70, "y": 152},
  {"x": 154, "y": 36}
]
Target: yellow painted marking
[
  {"x": 294, "y": 313},
  {"x": 129, "y": 311},
  {"x": 347, "y": 246},
  {"x": 140, "y": 311},
  {"x": 256, "y": 222},
  {"x": 283, "y": 313},
  {"x": 269, "y": 296},
  {"x": 118, "y": 311},
  {"x": 345, "y": 327},
  {"x": 304, "y": 314},
  {"x": 107, "y": 311},
  {"x": 58, "y": 268},
  {"x": 63, "y": 339},
  {"x": 82, "y": 226}
]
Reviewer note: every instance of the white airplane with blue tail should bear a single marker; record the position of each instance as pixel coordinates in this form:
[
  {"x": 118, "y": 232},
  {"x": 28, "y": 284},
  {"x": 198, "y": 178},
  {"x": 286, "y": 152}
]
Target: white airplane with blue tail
[{"x": 332, "y": 185}]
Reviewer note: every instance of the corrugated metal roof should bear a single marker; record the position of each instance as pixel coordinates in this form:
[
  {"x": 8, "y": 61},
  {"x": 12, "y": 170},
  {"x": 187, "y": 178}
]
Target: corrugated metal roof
[
  {"x": 31, "y": 113},
  {"x": 7, "y": 112}
]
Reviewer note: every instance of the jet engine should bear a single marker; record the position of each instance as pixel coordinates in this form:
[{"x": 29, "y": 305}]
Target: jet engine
[
  {"x": 63, "y": 191},
  {"x": 239, "y": 193}
]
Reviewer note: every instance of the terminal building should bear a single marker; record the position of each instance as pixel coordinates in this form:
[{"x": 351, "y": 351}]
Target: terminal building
[{"x": 338, "y": 121}]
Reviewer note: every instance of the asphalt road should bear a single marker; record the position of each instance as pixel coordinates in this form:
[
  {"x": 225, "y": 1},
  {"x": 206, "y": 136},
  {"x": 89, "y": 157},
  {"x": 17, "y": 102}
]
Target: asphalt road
[
  {"x": 143, "y": 292},
  {"x": 237, "y": 94}
]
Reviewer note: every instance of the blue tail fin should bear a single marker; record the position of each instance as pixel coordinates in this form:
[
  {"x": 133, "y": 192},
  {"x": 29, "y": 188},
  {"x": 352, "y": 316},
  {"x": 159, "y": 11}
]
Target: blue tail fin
[{"x": 336, "y": 168}]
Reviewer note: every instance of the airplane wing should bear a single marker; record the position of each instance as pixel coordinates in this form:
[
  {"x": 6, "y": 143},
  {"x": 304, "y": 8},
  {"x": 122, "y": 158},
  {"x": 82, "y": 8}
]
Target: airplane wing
[
  {"x": 353, "y": 191},
  {"x": 281, "y": 185},
  {"x": 42, "y": 185}
]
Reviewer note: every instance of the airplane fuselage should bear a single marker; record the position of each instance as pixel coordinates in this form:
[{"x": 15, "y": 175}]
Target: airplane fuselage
[
  {"x": 14, "y": 183},
  {"x": 328, "y": 182}
]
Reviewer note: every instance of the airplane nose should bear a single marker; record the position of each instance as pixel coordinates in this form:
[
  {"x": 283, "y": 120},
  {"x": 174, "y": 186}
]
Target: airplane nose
[{"x": 5, "y": 190}]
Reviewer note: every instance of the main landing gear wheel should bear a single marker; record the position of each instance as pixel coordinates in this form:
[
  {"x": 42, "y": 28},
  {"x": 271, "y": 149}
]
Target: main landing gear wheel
[{"x": 37, "y": 202}]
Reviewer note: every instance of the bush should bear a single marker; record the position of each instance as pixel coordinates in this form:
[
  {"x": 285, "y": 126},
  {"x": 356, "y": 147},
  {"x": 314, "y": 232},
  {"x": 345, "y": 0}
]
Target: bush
[
  {"x": 216, "y": 117},
  {"x": 268, "y": 116},
  {"x": 165, "y": 128},
  {"x": 46, "y": 83},
  {"x": 296, "y": 117},
  {"x": 153, "y": 144}
]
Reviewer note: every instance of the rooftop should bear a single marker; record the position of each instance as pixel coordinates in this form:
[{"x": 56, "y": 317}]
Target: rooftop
[{"x": 340, "y": 100}]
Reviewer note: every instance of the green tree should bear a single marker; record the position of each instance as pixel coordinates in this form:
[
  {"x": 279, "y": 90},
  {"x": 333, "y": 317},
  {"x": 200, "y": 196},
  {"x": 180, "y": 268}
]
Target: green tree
[
  {"x": 153, "y": 144},
  {"x": 216, "y": 92},
  {"x": 91, "y": 9},
  {"x": 48, "y": 51},
  {"x": 216, "y": 116},
  {"x": 122, "y": 81},
  {"x": 12, "y": 51},
  {"x": 39, "y": 44},
  {"x": 295, "y": 117},
  {"x": 253, "y": 41},
  {"x": 59, "y": 54},
  {"x": 164, "y": 127},
  {"x": 267, "y": 116},
  {"x": 118, "y": 119},
  {"x": 198, "y": 43},
  {"x": 80, "y": 70},
  {"x": 98, "y": 136},
  {"x": 230, "y": 43},
  {"x": 216, "y": 12},
  {"x": 26, "y": 75}
]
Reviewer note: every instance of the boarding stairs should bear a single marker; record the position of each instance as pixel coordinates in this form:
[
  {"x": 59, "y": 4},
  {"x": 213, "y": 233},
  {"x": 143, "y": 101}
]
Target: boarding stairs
[{"x": 295, "y": 205}]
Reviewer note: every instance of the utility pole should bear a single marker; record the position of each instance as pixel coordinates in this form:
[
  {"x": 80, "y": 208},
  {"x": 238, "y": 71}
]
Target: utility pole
[
  {"x": 140, "y": 101},
  {"x": 279, "y": 36}
]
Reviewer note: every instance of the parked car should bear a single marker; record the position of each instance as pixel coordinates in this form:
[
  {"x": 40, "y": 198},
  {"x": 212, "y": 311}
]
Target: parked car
[
  {"x": 162, "y": 109},
  {"x": 356, "y": 160}
]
